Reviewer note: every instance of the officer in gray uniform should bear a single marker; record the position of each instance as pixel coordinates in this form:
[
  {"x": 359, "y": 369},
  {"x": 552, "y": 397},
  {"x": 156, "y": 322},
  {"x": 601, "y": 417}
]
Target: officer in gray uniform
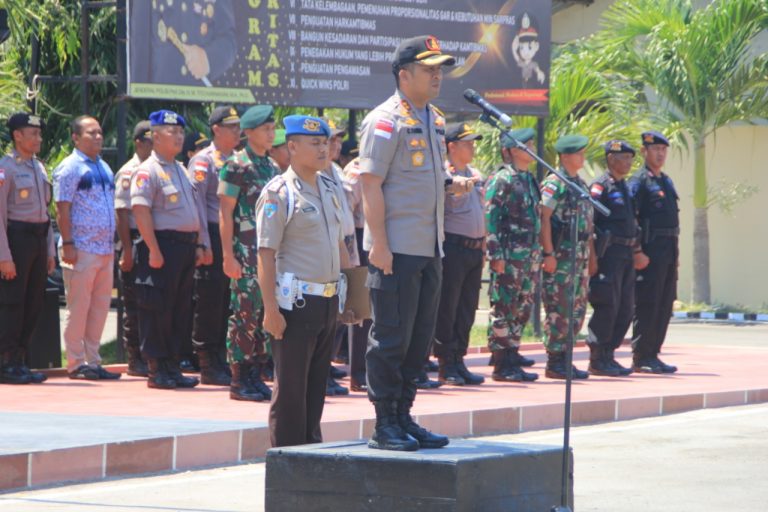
[
  {"x": 189, "y": 42},
  {"x": 402, "y": 150},
  {"x": 174, "y": 237},
  {"x": 211, "y": 309},
  {"x": 301, "y": 254},
  {"x": 128, "y": 233},
  {"x": 26, "y": 246}
]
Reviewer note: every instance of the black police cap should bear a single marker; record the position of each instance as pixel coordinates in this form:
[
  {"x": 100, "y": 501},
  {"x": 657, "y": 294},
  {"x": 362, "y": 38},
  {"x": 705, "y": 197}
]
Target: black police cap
[{"x": 23, "y": 120}]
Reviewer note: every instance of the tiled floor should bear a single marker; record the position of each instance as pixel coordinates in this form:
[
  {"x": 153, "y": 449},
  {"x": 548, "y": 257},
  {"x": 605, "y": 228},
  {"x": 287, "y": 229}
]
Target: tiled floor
[{"x": 72, "y": 430}]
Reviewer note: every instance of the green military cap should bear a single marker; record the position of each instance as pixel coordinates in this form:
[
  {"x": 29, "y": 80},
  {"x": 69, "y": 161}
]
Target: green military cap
[
  {"x": 571, "y": 144},
  {"x": 521, "y": 134},
  {"x": 279, "y": 138},
  {"x": 257, "y": 116}
]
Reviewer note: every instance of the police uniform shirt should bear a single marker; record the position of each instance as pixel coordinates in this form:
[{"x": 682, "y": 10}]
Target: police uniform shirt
[
  {"x": 308, "y": 244},
  {"x": 25, "y": 193},
  {"x": 408, "y": 153},
  {"x": 165, "y": 188},
  {"x": 354, "y": 190},
  {"x": 123, "y": 188},
  {"x": 615, "y": 195},
  {"x": 204, "y": 170},
  {"x": 655, "y": 199},
  {"x": 465, "y": 213}
]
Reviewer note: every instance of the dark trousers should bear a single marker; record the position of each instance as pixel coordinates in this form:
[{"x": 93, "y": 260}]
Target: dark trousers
[
  {"x": 21, "y": 298},
  {"x": 404, "y": 306},
  {"x": 655, "y": 294},
  {"x": 164, "y": 296},
  {"x": 302, "y": 359},
  {"x": 211, "y": 304},
  {"x": 459, "y": 296},
  {"x": 612, "y": 295},
  {"x": 358, "y": 343},
  {"x": 130, "y": 309}
]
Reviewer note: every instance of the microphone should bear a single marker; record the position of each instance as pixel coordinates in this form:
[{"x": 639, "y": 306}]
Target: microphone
[{"x": 474, "y": 97}]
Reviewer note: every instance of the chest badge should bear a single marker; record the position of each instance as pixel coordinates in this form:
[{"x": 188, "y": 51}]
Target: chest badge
[
  {"x": 174, "y": 198},
  {"x": 417, "y": 158},
  {"x": 24, "y": 193},
  {"x": 126, "y": 183}
]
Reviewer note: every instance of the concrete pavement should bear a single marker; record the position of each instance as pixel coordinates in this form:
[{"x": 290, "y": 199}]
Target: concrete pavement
[{"x": 708, "y": 461}]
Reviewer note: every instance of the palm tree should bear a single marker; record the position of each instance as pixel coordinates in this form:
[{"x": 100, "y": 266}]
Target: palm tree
[
  {"x": 599, "y": 103},
  {"x": 703, "y": 73}
]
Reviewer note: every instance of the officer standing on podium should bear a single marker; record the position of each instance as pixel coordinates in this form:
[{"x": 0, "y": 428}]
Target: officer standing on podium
[
  {"x": 26, "y": 246},
  {"x": 301, "y": 254},
  {"x": 174, "y": 237}
]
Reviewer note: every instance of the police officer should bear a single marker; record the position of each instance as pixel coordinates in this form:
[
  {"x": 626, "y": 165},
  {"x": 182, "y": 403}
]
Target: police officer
[
  {"x": 211, "y": 304},
  {"x": 128, "y": 233},
  {"x": 301, "y": 254},
  {"x": 188, "y": 42},
  {"x": 558, "y": 206},
  {"x": 171, "y": 222},
  {"x": 513, "y": 221},
  {"x": 612, "y": 289},
  {"x": 194, "y": 142},
  {"x": 463, "y": 261},
  {"x": 26, "y": 246},
  {"x": 402, "y": 151},
  {"x": 242, "y": 179},
  {"x": 656, "y": 208}
]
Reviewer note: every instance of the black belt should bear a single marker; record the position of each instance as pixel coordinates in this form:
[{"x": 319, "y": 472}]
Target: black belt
[
  {"x": 186, "y": 237},
  {"x": 670, "y": 232},
  {"x": 32, "y": 228},
  {"x": 620, "y": 240},
  {"x": 464, "y": 241}
]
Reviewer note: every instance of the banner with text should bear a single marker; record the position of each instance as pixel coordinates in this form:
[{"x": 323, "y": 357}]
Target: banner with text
[{"x": 327, "y": 53}]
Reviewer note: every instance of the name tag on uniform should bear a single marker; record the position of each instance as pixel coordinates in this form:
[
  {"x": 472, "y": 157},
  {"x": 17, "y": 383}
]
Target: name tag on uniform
[{"x": 309, "y": 209}]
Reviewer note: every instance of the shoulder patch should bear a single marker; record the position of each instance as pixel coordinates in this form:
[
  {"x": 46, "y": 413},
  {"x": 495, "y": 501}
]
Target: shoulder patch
[
  {"x": 275, "y": 184},
  {"x": 384, "y": 128},
  {"x": 596, "y": 190}
]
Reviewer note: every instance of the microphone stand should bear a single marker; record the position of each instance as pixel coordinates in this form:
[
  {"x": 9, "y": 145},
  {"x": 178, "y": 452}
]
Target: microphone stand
[{"x": 575, "y": 192}]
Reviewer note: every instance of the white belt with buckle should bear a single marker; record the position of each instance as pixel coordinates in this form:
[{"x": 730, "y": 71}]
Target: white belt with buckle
[{"x": 319, "y": 289}]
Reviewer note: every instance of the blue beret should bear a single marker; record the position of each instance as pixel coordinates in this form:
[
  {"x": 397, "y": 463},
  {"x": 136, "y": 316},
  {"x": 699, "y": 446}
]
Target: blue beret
[
  {"x": 522, "y": 135},
  {"x": 568, "y": 144},
  {"x": 653, "y": 137},
  {"x": 618, "y": 146},
  {"x": 257, "y": 116},
  {"x": 306, "y": 125},
  {"x": 166, "y": 118}
]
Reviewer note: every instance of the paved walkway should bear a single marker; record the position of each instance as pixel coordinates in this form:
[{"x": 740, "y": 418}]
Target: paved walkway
[{"x": 74, "y": 430}]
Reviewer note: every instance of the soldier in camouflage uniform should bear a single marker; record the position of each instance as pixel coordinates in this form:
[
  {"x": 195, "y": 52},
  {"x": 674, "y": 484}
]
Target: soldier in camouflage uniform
[
  {"x": 555, "y": 231},
  {"x": 513, "y": 224},
  {"x": 241, "y": 180}
]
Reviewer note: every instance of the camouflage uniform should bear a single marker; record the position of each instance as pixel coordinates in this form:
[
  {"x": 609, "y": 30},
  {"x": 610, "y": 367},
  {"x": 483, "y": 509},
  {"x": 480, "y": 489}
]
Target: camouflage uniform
[
  {"x": 554, "y": 195},
  {"x": 513, "y": 223},
  {"x": 243, "y": 176}
]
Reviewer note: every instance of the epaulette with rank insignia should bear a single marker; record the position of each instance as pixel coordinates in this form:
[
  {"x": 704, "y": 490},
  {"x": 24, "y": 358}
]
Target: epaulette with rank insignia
[{"x": 437, "y": 110}]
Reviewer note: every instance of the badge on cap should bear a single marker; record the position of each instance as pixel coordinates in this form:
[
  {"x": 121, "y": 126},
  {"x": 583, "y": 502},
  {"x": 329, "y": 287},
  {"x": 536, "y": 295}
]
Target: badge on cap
[
  {"x": 311, "y": 125},
  {"x": 648, "y": 138},
  {"x": 34, "y": 121},
  {"x": 616, "y": 145},
  {"x": 432, "y": 44},
  {"x": 170, "y": 118}
]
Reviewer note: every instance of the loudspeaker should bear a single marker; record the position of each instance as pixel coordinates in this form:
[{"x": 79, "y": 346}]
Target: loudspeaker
[{"x": 45, "y": 346}]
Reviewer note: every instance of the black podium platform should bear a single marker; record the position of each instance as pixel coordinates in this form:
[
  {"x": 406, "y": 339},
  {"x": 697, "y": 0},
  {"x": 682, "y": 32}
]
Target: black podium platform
[{"x": 464, "y": 476}]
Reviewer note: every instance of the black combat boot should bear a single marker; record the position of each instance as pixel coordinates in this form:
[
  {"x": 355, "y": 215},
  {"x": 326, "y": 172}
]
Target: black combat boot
[
  {"x": 610, "y": 356},
  {"x": 10, "y": 373},
  {"x": 424, "y": 382},
  {"x": 189, "y": 364},
  {"x": 448, "y": 372},
  {"x": 471, "y": 379},
  {"x": 240, "y": 387},
  {"x": 506, "y": 369},
  {"x": 425, "y": 438},
  {"x": 256, "y": 381},
  {"x": 599, "y": 361},
  {"x": 21, "y": 365},
  {"x": 137, "y": 367},
  {"x": 388, "y": 434},
  {"x": 182, "y": 381},
  {"x": 212, "y": 370},
  {"x": 665, "y": 368},
  {"x": 333, "y": 388},
  {"x": 557, "y": 369},
  {"x": 519, "y": 360},
  {"x": 642, "y": 363},
  {"x": 158, "y": 376}
]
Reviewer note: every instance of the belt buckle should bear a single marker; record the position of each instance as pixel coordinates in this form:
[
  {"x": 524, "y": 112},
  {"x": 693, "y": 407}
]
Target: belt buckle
[{"x": 329, "y": 290}]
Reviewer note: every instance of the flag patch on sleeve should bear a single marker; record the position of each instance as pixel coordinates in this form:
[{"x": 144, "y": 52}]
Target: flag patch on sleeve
[
  {"x": 596, "y": 190},
  {"x": 384, "y": 128}
]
